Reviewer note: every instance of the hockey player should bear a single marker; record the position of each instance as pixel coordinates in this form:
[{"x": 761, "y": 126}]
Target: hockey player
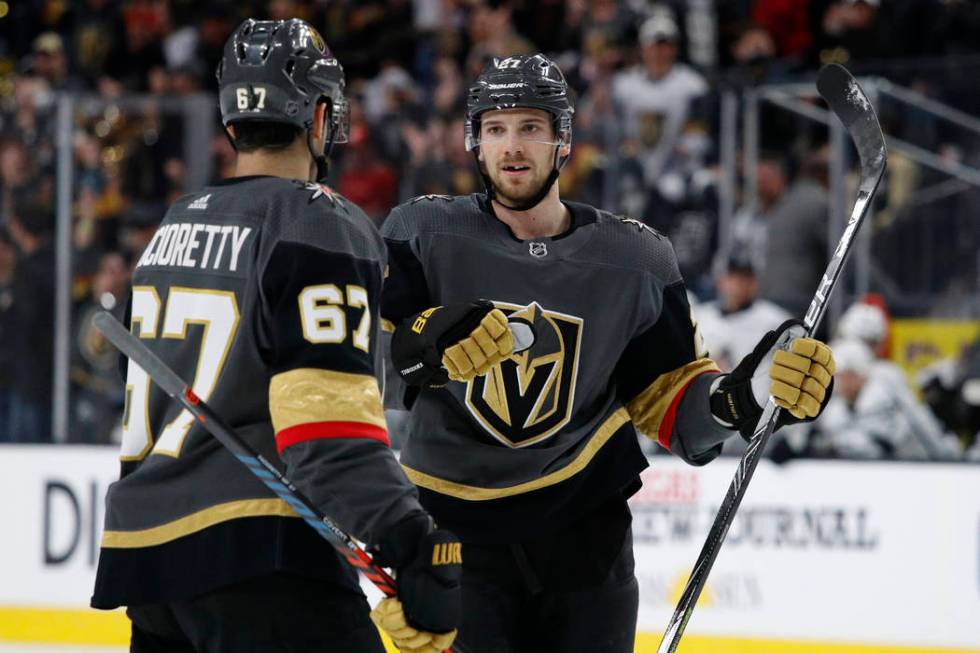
[
  {"x": 731, "y": 323},
  {"x": 263, "y": 291},
  {"x": 532, "y": 462}
]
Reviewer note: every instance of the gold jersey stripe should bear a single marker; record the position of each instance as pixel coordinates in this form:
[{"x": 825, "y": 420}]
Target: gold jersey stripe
[
  {"x": 474, "y": 493},
  {"x": 650, "y": 406},
  {"x": 307, "y": 395},
  {"x": 195, "y": 522},
  {"x": 387, "y": 326}
]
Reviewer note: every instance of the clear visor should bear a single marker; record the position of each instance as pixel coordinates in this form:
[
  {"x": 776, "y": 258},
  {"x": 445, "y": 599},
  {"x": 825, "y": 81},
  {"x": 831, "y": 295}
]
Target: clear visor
[{"x": 494, "y": 132}]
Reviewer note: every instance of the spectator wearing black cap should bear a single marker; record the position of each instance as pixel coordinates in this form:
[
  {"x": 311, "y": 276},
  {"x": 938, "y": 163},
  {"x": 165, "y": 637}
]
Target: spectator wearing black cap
[{"x": 730, "y": 324}]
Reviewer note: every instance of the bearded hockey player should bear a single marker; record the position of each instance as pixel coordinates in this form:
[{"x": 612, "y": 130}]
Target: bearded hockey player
[
  {"x": 531, "y": 460},
  {"x": 263, "y": 291}
]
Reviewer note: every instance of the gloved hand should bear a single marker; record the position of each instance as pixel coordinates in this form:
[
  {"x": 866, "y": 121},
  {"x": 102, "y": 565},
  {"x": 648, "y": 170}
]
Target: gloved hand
[
  {"x": 389, "y": 616},
  {"x": 428, "y": 566},
  {"x": 457, "y": 342},
  {"x": 802, "y": 381}
]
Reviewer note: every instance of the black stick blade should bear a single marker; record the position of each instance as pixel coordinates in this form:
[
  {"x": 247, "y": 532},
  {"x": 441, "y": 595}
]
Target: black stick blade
[{"x": 848, "y": 100}]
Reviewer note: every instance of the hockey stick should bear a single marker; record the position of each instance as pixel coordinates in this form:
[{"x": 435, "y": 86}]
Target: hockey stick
[
  {"x": 174, "y": 386},
  {"x": 849, "y": 103}
]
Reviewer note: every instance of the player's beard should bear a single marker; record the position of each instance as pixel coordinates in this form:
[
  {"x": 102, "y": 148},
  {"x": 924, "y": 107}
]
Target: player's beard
[{"x": 514, "y": 194}]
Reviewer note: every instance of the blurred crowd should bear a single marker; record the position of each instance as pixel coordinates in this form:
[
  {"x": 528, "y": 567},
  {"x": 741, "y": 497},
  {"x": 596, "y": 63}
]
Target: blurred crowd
[{"x": 646, "y": 76}]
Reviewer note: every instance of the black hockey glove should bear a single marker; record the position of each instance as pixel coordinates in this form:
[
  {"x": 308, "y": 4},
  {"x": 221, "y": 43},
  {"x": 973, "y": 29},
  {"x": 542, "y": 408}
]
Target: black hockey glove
[
  {"x": 455, "y": 342},
  {"x": 428, "y": 567},
  {"x": 802, "y": 381}
]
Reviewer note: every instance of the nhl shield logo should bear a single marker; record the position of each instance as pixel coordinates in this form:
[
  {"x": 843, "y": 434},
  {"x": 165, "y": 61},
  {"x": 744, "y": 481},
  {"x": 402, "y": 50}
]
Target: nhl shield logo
[
  {"x": 538, "y": 250},
  {"x": 528, "y": 398}
]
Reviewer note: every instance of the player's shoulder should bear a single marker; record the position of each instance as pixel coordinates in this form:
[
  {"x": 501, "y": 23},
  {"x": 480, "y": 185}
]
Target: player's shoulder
[
  {"x": 433, "y": 214},
  {"x": 627, "y": 242},
  {"x": 314, "y": 214}
]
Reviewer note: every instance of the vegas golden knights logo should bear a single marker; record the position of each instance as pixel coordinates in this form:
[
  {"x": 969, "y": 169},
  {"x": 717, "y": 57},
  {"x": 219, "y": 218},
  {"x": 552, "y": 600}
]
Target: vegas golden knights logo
[{"x": 528, "y": 397}]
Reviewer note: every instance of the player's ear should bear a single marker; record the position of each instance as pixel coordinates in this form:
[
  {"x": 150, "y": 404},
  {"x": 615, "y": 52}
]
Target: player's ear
[
  {"x": 320, "y": 120},
  {"x": 565, "y": 150}
]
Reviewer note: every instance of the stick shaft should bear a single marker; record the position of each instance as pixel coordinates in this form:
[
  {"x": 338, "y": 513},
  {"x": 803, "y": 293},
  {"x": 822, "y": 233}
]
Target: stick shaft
[{"x": 847, "y": 101}]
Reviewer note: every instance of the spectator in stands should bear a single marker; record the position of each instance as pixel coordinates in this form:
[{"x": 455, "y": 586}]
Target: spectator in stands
[
  {"x": 367, "y": 180},
  {"x": 787, "y": 23},
  {"x": 730, "y": 323},
  {"x": 656, "y": 96},
  {"x": 594, "y": 35},
  {"x": 128, "y": 65},
  {"x": 849, "y": 26},
  {"x": 869, "y": 324},
  {"x": 16, "y": 169},
  {"x": 50, "y": 63},
  {"x": 97, "y": 28},
  {"x": 867, "y": 30},
  {"x": 951, "y": 388},
  {"x": 30, "y": 120},
  {"x": 445, "y": 167},
  {"x": 755, "y": 58},
  {"x": 787, "y": 233},
  {"x": 867, "y": 418},
  {"x": 97, "y": 390},
  {"x": 491, "y": 30},
  {"x": 31, "y": 322}
]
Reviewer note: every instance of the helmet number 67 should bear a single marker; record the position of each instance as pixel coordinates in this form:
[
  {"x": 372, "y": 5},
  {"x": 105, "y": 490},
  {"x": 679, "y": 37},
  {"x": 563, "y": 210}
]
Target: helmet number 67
[{"x": 243, "y": 97}]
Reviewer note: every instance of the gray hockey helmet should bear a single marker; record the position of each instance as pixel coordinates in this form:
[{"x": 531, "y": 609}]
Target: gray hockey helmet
[
  {"x": 523, "y": 81},
  {"x": 276, "y": 71}
]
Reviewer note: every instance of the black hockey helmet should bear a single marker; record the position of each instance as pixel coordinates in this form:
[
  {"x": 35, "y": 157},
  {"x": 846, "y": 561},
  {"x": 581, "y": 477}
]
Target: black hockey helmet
[
  {"x": 276, "y": 71},
  {"x": 523, "y": 81}
]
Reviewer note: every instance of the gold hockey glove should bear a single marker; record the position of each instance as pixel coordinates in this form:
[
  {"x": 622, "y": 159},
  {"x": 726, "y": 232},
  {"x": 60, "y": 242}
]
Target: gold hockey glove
[
  {"x": 801, "y": 377},
  {"x": 458, "y": 342},
  {"x": 802, "y": 381},
  {"x": 389, "y": 616},
  {"x": 428, "y": 566},
  {"x": 488, "y": 344}
]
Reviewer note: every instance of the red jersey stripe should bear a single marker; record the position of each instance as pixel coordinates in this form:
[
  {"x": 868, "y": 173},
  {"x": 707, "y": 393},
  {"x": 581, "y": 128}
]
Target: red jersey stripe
[
  {"x": 667, "y": 425},
  {"x": 328, "y": 430}
]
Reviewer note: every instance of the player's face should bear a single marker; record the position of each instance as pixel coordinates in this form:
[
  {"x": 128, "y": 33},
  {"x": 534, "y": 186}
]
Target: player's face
[
  {"x": 737, "y": 289},
  {"x": 517, "y": 148},
  {"x": 849, "y": 384}
]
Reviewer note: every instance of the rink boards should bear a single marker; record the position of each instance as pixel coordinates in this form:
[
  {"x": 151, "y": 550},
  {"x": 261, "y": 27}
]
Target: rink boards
[{"x": 823, "y": 556}]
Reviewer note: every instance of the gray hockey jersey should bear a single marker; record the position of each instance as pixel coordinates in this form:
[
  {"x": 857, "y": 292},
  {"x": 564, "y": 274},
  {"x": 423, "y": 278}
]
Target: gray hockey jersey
[
  {"x": 550, "y": 432},
  {"x": 264, "y": 294}
]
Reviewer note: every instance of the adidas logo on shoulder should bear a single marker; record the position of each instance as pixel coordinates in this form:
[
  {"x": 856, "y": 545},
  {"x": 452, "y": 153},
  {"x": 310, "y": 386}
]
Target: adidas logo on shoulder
[{"x": 200, "y": 203}]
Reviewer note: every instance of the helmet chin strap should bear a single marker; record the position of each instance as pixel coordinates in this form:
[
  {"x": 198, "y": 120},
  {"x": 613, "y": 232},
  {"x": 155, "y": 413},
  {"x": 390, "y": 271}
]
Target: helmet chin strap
[
  {"x": 535, "y": 199},
  {"x": 322, "y": 160}
]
